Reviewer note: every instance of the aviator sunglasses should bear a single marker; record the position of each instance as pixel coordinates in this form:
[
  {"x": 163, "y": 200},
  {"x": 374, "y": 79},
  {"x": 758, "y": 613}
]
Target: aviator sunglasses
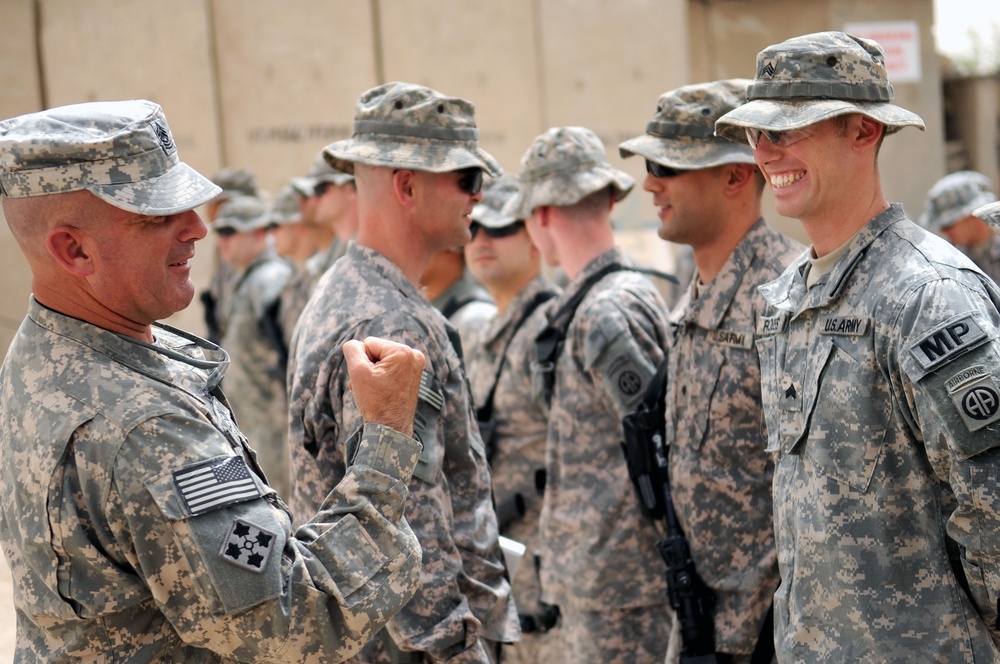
[
  {"x": 779, "y": 139},
  {"x": 471, "y": 181},
  {"x": 495, "y": 233}
]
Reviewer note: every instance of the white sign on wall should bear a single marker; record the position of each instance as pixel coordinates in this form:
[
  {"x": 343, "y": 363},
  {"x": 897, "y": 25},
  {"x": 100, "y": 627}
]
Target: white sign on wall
[{"x": 901, "y": 42}]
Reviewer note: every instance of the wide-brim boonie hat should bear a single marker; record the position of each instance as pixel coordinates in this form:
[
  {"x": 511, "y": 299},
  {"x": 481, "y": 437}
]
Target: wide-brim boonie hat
[
  {"x": 496, "y": 193},
  {"x": 989, "y": 213},
  {"x": 319, "y": 171},
  {"x": 122, "y": 152},
  {"x": 402, "y": 125},
  {"x": 285, "y": 208},
  {"x": 954, "y": 197},
  {"x": 682, "y": 132},
  {"x": 562, "y": 167},
  {"x": 815, "y": 77},
  {"x": 243, "y": 214}
]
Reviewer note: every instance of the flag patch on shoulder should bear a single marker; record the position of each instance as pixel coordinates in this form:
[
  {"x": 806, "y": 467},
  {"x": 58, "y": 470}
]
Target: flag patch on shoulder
[{"x": 213, "y": 484}]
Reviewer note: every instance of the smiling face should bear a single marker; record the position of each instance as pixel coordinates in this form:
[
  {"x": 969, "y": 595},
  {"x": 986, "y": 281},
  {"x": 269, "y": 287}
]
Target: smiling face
[
  {"x": 502, "y": 262},
  {"x": 688, "y": 204},
  {"x": 444, "y": 208}
]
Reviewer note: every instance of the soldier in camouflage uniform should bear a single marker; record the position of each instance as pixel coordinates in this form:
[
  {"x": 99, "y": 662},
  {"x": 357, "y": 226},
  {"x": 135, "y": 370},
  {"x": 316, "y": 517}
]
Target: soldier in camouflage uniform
[
  {"x": 502, "y": 257},
  {"x": 457, "y": 294},
  {"x": 599, "y": 563},
  {"x": 707, "y": 191},
  {"x": 880, "y": 363},
  {"x": 949, "y": 212},
  {"x": 418, "y": 168},
  {"x": 255, "y": 381},
  {"x": 136, "y": 522},
  {"x": 329, "y": 208}
]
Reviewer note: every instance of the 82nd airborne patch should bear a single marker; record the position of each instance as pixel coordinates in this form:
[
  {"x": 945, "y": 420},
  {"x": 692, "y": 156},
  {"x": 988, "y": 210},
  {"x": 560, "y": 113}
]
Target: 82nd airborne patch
[{"x": 976, "y": 396}]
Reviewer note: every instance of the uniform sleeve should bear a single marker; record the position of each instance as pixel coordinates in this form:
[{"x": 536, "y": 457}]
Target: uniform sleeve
[
  {"x": 950, "y": 355},
  {"x": 216, "y": 548}
]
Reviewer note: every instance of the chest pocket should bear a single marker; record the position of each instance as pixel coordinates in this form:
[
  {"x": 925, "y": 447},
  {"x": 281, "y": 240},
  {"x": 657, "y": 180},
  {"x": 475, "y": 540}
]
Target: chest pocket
[
  {"x": 692, "y": 396},
  {"x": 848, "y": 416}
]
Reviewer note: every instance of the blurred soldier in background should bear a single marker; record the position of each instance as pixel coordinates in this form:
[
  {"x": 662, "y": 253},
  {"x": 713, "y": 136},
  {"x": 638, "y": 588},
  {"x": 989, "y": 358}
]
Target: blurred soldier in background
[
  {"x": 949, "y": 212},
  {"x": 707, "y": 191},
  {"x": 418, "y": 167},
  {"x": 255, "y": 382},
  {"x": 456, "y": 293},
  {"x": 513, "y": 425},
  {"x": 598, "y": 564}
]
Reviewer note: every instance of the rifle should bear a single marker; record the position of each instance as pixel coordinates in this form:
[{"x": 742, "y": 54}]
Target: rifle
[{"x": 646, "y": 454}]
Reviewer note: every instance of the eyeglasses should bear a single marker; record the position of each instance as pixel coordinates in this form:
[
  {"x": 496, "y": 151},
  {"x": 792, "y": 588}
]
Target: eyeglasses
[
  {"x": 225, "y": 231},
  {"x": 661, "y": 171},
  {"x": 471, "y": 181},
  {"x": 779, "y": 139},
  {"x": 496, "y": 233}
]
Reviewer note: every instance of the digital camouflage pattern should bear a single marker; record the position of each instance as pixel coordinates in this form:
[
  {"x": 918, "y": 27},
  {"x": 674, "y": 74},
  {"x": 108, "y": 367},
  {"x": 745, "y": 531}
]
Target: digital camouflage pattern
[
  {"x": 113, "y": 559},
  {"x": 989, "y": 213},
  {"x": 122, "y": 152},
  {"x": 720, "y": 475},
  {"x": 463, "y": 596},
  {"x": 954, "y": 197},
  {"x": 236, "y": 182},
  {"x": 255, "y": 381},
  {"x": 496, "y": 192},
  {"x": 521, "y": 428},
  {"x": 598, "y": 550},
  {"x": 562, "y": 166},
  {"x": 469, "y": 304},
  {"x": 284, "y": 209},
  {"x": 682, "y": 131},
  {"x": 299, "y": 287},
  {"x": 319, "y": 171},
  {"x": 880, "y": 395},
  {"x": 402, "y": 125},
  {"x": 243, "y": 214},
  {"x": 808, "y": 79}
]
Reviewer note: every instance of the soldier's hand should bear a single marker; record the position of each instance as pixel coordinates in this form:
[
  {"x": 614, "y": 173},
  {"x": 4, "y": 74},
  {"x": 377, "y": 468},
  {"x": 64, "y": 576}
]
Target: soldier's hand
[{"x": 384, "y": 377}]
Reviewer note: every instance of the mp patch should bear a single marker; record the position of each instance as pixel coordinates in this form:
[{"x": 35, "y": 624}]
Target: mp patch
[
  {"x": 247, "y": 546},
  {"x": 946, "y": 341},
  {"x": 975, "y": 394}
]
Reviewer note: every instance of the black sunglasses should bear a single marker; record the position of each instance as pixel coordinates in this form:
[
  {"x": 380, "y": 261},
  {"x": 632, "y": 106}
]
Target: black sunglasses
[
  {"x": 661, "y": 171},
  {"x": 496, "y": 233},
  {"x": 321, "y": 188},
  {"x": 471, "y": 181},
  {"x": 225, "y": 231}
]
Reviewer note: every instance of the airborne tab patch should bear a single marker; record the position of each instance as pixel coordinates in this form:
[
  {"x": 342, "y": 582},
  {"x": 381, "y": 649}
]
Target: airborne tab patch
[
  {"x": 948, "y": 340},
  {"x": 976, "y": 397}
]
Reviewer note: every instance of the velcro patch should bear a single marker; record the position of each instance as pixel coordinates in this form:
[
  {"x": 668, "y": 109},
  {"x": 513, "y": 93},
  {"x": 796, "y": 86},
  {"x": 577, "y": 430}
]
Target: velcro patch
[
  {"x": 769, "y": 325},
  {"x": 854, "y": 326},
  {"x": 247, "y": 546},
  {"x": 626, "y": 376},
  {"x": 946, "y": 341},
  {"x": 430, "y": 391},
  {"x": 731, "y": 338},
  {"x": 213, "y": 484},
  {"x": 976, "y": 396}
]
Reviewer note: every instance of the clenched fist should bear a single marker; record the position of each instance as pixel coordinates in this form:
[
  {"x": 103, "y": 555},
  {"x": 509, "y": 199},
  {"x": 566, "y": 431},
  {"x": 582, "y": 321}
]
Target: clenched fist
[{"x": 384, "y": 378}]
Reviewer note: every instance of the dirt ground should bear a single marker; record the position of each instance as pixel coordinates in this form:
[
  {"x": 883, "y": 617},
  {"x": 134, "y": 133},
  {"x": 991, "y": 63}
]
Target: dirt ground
[{"x": 7, "y": 619}]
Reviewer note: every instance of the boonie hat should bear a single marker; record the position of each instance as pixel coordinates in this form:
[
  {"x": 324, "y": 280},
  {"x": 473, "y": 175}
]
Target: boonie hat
[
  {"x": 285, "y": 208},
  {"x": 563, "y": 166},
  {"x": 989, "y": 213},
  {"x": 235, "y": 181},
  {"x": 682, "y": 131},
  {"x": 122, "y": 152},
  {"x": 402, "y": 125},
  {"x": 812, "y": 78},
  {"x": 955, "y": 197},
  {"x": 489, "y": 211},
  {"x": 319, "y": 171},
  {"x": 243, "y": 214}
]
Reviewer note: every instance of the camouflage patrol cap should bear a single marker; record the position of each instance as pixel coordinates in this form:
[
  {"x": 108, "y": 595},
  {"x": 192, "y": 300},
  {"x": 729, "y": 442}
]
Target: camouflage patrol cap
[
  {"x": 812, "y": 78},
  {"x": 243, "y": 214},
  {"x": 955, "y": 197},
  {"x": 320, "y": 171},
  {"x": 235, "y": 181},
  {"x": 285, "y": 208},
  {"x": 402, "y": 125},
  {"x": 562, "y": 167},
  {"x": 489, "y": 211},
  {"x": 121, "y": 151},
  {"x": 682, "y": 131},
  {"x": 990, "y": 213}
]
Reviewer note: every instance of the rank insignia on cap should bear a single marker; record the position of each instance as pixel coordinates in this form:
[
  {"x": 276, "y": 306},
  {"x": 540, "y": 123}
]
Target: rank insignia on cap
[
  {"x": 163, "y": 134},
  {"x": 247, "y": 546},
  {"x": 767, "y": 71}
]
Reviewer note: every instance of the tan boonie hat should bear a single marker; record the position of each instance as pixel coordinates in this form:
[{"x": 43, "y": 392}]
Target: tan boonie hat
[
  {"x": 682, "y": 131},
  {"x": 235, "y": 181},
  {"x": 812, "y": 78},
  {"x": 989, "y": 213},
  {"x": 402, "y": 125},
  {"x": 243, "y": 214},
  {"x": 562, "y": 167},
  {"x": 489, "y": 211},
  {"x": 320, "y": 171},
  {"x": 954, "y": 197},
  {"x": 285, "y": 208},
  {"x": 121, "y": 151}
]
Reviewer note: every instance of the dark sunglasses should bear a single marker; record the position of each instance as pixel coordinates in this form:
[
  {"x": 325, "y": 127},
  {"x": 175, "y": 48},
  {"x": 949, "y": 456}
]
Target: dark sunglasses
[
  {"x": 496, "y": 233},
  {"x": 779, "y": 139},
  {"x": 321, "y": 188},
  {"x": 661, "y": 171},
  {"x": 471, "y": 181},
  {"x": 225, "y": 231}
]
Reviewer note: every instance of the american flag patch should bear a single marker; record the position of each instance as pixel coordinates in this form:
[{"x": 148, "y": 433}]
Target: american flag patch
[
  {"x": 430, "y": 391},
  {"x": 209, "y": 485}
]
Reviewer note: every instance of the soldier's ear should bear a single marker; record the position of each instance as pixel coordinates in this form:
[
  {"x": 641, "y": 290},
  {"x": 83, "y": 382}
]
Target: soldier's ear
[
  {"x": 404, "y": 186},
  {"x": 67, "y": 246}
]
